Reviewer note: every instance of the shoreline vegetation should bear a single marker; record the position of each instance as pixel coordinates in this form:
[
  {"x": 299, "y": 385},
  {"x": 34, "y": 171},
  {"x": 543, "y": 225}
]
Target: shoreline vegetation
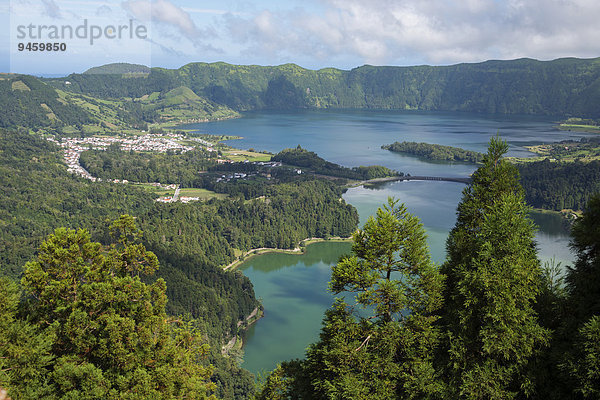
[
  {"x": 579, "y": 125},
  {"x": 568, "y": 216},
  {"x": 236, "y": 343},
  {"x": 298, "y": 250}
]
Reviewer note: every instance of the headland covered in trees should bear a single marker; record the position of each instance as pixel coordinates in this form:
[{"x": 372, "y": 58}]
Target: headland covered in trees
[{"x": 435, "y": 151}]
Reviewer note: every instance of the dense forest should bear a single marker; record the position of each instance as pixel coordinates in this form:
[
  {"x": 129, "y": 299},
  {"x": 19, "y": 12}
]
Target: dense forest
[
  {"x": 185, "y": 169},
  {"x": 560, "y": 185},
  {"x": 83, "y": 324},
  {"x": 567, "y": 86},
  {"x": 191, "y": 241},
  {"x": 303, "y": 158},
  {"x": 489, "y": 323},
  {"x": 435, "y": 151}
]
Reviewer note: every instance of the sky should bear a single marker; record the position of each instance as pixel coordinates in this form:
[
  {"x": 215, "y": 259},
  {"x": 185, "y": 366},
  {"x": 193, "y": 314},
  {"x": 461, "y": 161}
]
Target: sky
[{"x": 311, "y": 33}]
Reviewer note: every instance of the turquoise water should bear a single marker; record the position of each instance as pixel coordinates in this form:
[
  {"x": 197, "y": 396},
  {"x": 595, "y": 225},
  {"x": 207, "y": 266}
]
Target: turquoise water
[
  {"x": 293, "y": 287},
  {"x": 293, "y": 290}
]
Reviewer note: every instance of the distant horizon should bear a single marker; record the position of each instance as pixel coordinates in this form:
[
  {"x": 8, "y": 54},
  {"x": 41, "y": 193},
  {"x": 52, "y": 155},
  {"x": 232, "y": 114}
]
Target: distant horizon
[
  {"x": 63, "y": 75},
  {"x": 315, "y": 34}
]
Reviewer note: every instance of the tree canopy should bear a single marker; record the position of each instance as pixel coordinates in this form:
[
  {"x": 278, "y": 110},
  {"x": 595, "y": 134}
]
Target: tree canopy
[
  {"x": 384, "y": 348},
  {"x": 493, "y": 279},
  {"x": 99, "y": 330}
]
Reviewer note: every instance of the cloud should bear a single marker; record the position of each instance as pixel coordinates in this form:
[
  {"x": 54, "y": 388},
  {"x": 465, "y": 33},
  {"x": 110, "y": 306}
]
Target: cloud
[
  {"x": 103, "y": 11},
  {"x": 415, "y": 31},
  {"x": 208, "y": 11},
  {"x": 167, "y": 13},
  {"x": 51, "y": 9}
]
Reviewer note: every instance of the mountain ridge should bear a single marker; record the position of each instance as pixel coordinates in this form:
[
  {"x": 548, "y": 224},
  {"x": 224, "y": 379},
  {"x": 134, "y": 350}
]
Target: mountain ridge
[{"x": 565, "y": 86}]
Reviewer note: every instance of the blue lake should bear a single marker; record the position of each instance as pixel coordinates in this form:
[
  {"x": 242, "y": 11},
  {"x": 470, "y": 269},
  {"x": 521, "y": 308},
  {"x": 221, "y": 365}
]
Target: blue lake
[{"x": 293, "y": 287}]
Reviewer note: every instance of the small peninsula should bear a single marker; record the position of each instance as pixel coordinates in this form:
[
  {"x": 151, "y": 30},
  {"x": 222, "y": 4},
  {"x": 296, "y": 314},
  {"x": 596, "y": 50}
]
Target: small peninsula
[{"x": 435, "y": 152}]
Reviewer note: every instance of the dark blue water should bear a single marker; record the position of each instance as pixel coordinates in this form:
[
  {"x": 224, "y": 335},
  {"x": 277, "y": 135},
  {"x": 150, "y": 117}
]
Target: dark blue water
[{"x": 353, "y": 138}]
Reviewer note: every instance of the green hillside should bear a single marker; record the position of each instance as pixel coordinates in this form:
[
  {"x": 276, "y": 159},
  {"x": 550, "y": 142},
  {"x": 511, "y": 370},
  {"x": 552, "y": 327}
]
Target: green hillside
[
  {"x": 119, "y": 68},
  {"x": 567, "y": 86},
  {"x": 26, "y": 101},
  {"x": 182, "y": 104},
  {"x": 30, "y": 103}
]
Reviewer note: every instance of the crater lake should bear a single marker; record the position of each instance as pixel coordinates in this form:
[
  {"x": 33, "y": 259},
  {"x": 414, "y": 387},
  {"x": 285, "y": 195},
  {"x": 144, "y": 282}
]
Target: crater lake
[{"x": 293, "y": 288}]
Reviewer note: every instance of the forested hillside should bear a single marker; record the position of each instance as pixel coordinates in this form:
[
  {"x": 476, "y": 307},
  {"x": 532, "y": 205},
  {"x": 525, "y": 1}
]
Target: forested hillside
[
  {"x": 30, "y": 103},
  {"x": 108, "y": 98},
  {"x": 26, "y": 101},
  {"x": 190, "y": 240},
  {"x": 561, "y": 87},
  {"x": 300, "y": 157},
  {"x": 436, "y": 152},
  {"x": 560, "y": 185}
]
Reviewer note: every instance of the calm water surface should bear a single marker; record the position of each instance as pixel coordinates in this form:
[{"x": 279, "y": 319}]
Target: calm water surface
[
  {"x": 293, "y": 287},
  {"x": 353, "y": 138}
]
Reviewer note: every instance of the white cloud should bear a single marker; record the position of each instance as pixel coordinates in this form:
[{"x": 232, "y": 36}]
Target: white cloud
[
  {"x": 170, "y": 25},
  {"x": 164, "y": 12},
  {"x": 103, "y": 11},
  {"x": 416, "y": 31},
  {"x": 208, "y": 11},
  {"x": 51, "y": 9}
]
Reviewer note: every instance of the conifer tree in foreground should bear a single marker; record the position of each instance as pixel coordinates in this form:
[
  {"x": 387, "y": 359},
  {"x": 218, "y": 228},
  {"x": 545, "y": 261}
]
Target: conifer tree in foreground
[
  {"x": 582, "y": 325},
  {"x": 492, "y": 280},
  {"x": 384, "y": 349},
  {"x": 93, "y": 329}
]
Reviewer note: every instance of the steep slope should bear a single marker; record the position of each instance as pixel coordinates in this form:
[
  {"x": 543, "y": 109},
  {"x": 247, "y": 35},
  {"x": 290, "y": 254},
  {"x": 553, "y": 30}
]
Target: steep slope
[{"x": 567, "y": 86}]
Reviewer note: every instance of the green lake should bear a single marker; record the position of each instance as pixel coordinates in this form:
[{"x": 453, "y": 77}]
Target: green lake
[{"x": 293, "y": 288}]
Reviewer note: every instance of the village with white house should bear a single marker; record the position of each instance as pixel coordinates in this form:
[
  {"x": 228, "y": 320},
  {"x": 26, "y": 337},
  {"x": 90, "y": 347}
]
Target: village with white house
[
  {"x": 161, "y": 143},
  {"x": 73, "y": 147}
]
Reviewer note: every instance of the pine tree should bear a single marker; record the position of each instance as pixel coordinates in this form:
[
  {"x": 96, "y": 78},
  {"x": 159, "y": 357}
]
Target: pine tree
[
  {"x": 382, "y": 347},
  {"x": 582, "y": 326},
  {"x": 25, "y": 349},
  {"x": 100, "y": 331},
  {"x": 492, "y": 279}
]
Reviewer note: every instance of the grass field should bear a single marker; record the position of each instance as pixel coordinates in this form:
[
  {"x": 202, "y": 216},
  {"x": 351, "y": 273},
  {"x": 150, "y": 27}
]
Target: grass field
[
  {"x": 203, "y": 194},
  {"x": 579, "y": 128},
  {"x": 580, "y": 125},
  {"x": 566, "y": 152},
  {"x": 242, "y": 155}
]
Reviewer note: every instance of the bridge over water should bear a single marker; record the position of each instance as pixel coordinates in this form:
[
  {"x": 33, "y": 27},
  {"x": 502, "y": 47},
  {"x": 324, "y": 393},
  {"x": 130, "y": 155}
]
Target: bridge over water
[
  {"x": 434, "y": 178},
  {"x": 466, "y": 180}
]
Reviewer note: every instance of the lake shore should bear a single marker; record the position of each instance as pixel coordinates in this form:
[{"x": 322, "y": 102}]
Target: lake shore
[
  {"x": 300, "y": 249},
  {"x": 237, "y": 341}
]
